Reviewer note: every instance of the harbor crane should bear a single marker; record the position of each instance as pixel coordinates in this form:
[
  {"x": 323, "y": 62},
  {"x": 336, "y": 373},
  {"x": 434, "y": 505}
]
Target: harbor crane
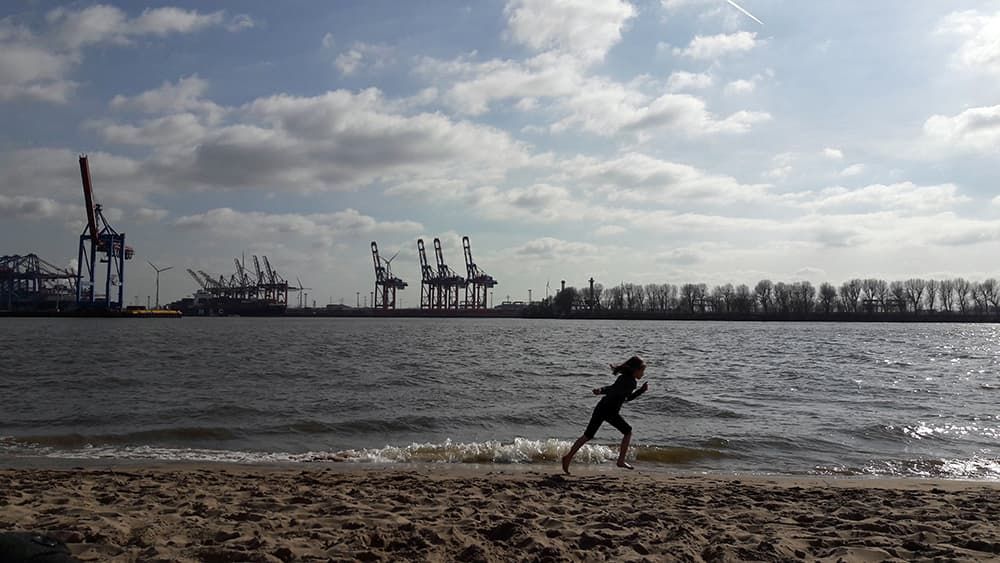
[
  {"x": 478, "y": 282},
  {"x": 449, "y": 282},
  {"x": 428, "y": 279},
  {"x": 386, "y": 284},
  {"x": 99, "y": 237},
  {"x": 31, "y": 283}
]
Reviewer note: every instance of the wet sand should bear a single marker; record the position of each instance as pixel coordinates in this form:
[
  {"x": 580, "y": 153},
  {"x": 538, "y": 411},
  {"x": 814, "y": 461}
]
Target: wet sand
[{"x": 493, "y": 513}]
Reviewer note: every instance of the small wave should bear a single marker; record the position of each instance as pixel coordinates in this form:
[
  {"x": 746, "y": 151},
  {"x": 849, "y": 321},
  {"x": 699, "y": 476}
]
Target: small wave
[
  {"x": 923, "y": 431},
  {"x": 518, "y": 451},
  {"x": 521, "y": 450},
  {"x": 980, "y": 468},
  {"x": 674, "y": 456},
  {"x": 75, "y": 440},
  {"x": 686, "y": 408}
]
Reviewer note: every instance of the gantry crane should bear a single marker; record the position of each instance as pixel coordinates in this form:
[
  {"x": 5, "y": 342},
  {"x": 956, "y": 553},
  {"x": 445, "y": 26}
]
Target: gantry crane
[
  {"x": 449, "y": 282},
  {"x": 478, "y": 282},
  {"x": 386, "y": 284},
  {"x": 28, "y": 282},
  {"x": 99, "y": 237},
  {"x": 428, "y": 279}
]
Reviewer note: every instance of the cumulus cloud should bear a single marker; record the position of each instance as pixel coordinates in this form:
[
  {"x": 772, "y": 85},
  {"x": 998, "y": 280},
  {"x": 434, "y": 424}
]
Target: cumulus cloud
[
  {"x": 184, "y": 96},
  {"x": 36, "y": 65},
  {"x": 681, "y": 256},
  {"x": 108, "y": 24},
  {"x": 682, "y": 80},
  {"x": 362, "y": 55},
  {"x": 550, "y": 248},
  {"x": 574, "y": 28},
  {"x": 833, "y": 154},
  {"x": 716, "y": 46},
  {"x": 853, "y": 170},
  {"x": 904, "y": 196},
  {"x": 335, "y": 141},
  {"x": 975, "y": 129},
  {"x": 29, "y": 70},
  {"x": 477, "y": 85},
  {"x": 148, "y": 215},
  {"x": 609, "y": 230},
  {"x": 639, "y": 178},
  {"x": 979, "y": 50},
  {"x": 240, "y": 22},
  {"x": 172, "y": 130},
  {"x": 55, "y": 173},
  {"x": 607, "y": 108},
  {"x": 35, "y": 208},
  {"x": 231, "y": 223},
  {"x": 741, "y": 86},
  {"x": 543, "y": 203},
  {"x": 781, "y": 166},
  {"x": 561, "y": 78}
]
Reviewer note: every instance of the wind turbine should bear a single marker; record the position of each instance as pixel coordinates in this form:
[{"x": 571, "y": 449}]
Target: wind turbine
[
  {"x": 158, "y": 270},
  {"x": 748, "y": 14},
  {"x": 301, "y": 289},
  {"x": 388, "y": 263}
]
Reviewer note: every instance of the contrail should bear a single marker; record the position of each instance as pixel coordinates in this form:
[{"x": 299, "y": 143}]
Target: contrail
[{"x": 740, "y": 8}]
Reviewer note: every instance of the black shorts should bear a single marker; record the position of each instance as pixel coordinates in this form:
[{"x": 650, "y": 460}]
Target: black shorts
[{"x": 613, "y": 418}]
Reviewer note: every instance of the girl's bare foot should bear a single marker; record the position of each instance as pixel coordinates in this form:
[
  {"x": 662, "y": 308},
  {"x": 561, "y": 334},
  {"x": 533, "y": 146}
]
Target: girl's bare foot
[
  {"x": 565, "y": 463},
  {"x": 624, "y": 464}
]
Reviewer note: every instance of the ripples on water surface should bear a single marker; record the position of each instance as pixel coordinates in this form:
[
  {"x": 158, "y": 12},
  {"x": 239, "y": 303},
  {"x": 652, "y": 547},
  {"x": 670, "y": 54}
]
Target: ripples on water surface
[{"x": 799, "y": 398}]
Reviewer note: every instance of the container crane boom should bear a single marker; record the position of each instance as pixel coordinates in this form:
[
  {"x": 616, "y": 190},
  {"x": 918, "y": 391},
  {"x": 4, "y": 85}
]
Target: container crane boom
[
  {"x": 88, "y": 197},
  {"x": 199, "y": 281}
]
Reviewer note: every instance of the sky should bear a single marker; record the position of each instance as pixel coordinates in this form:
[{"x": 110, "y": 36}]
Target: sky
[{"x": 653, "y": 141}]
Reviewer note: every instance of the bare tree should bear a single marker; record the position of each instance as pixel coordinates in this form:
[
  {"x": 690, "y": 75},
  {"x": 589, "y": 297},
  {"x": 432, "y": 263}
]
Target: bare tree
[
  {"x": 827, "y": 297},
  {"x": 947, "y": 294},
  {"x": 743, "y": 301},
  {"x": 978, "y": 297},
  {"x": 634, "y": 297},
  {"x": 962, "y": 287},
  {"x": 897, "y": 290},
  {"x": 933, "y": 287},
  {"x": 915, "y": 288},
  {"x": 881, "y": 292},
  {"x": 869, "y": 288},
  {"x": 765, "y": 294},
  {"x": 783, "y": 297},
  {"x": 652, "y": 292},
  {"x": 670, "y": 294},
  {"x": 613, "y": 298},
  {"x": 728, "y": 293},
  {"x": 850, "y": 292},
  {"x": 989, "y": 291},
  {"x": 803, "y": 296},
  {"x": 689, "y": 296}
]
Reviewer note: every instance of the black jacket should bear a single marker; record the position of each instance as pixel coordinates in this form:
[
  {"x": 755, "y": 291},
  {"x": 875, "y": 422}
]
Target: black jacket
[{"x": 615, "y": 395}]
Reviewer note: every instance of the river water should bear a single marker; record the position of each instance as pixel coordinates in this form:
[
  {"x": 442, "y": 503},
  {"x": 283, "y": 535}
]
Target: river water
[{"x": 914, "y": 400}]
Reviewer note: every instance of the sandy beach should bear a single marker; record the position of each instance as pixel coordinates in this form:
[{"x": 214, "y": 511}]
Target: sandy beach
[{"x": 492, "y": 513}]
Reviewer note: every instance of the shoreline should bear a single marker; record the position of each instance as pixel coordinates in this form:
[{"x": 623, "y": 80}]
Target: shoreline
[
  {"x": 464, "y": 469},
  {"x": 225, "y": 512}
]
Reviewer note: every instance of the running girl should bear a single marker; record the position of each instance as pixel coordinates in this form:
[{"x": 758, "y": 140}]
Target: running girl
[{"x": 615, "y": 396}]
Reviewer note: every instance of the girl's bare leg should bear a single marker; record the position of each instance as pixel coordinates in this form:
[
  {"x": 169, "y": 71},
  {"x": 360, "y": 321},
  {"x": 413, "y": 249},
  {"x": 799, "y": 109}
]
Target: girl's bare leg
[
  {"x": 624, "y": 450},
  {"x": 566, "y": 459}
]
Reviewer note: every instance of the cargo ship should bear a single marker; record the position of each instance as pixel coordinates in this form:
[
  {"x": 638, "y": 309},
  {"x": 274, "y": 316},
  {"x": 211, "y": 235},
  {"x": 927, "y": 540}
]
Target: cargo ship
[{"x": 205, "y": 304}]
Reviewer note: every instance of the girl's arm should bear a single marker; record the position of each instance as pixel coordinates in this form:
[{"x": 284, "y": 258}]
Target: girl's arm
[{"x": 637, "y": 392}]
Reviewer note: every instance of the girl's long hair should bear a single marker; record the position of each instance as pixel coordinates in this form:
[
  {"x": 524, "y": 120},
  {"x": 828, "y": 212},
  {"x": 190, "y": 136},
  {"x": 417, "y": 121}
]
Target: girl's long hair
[{"x": 629, "y": 366}]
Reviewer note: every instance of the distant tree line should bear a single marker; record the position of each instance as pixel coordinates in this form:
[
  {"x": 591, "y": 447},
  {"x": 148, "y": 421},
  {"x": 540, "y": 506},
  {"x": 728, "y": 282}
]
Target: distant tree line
[{"x": 915, "y": 296}]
